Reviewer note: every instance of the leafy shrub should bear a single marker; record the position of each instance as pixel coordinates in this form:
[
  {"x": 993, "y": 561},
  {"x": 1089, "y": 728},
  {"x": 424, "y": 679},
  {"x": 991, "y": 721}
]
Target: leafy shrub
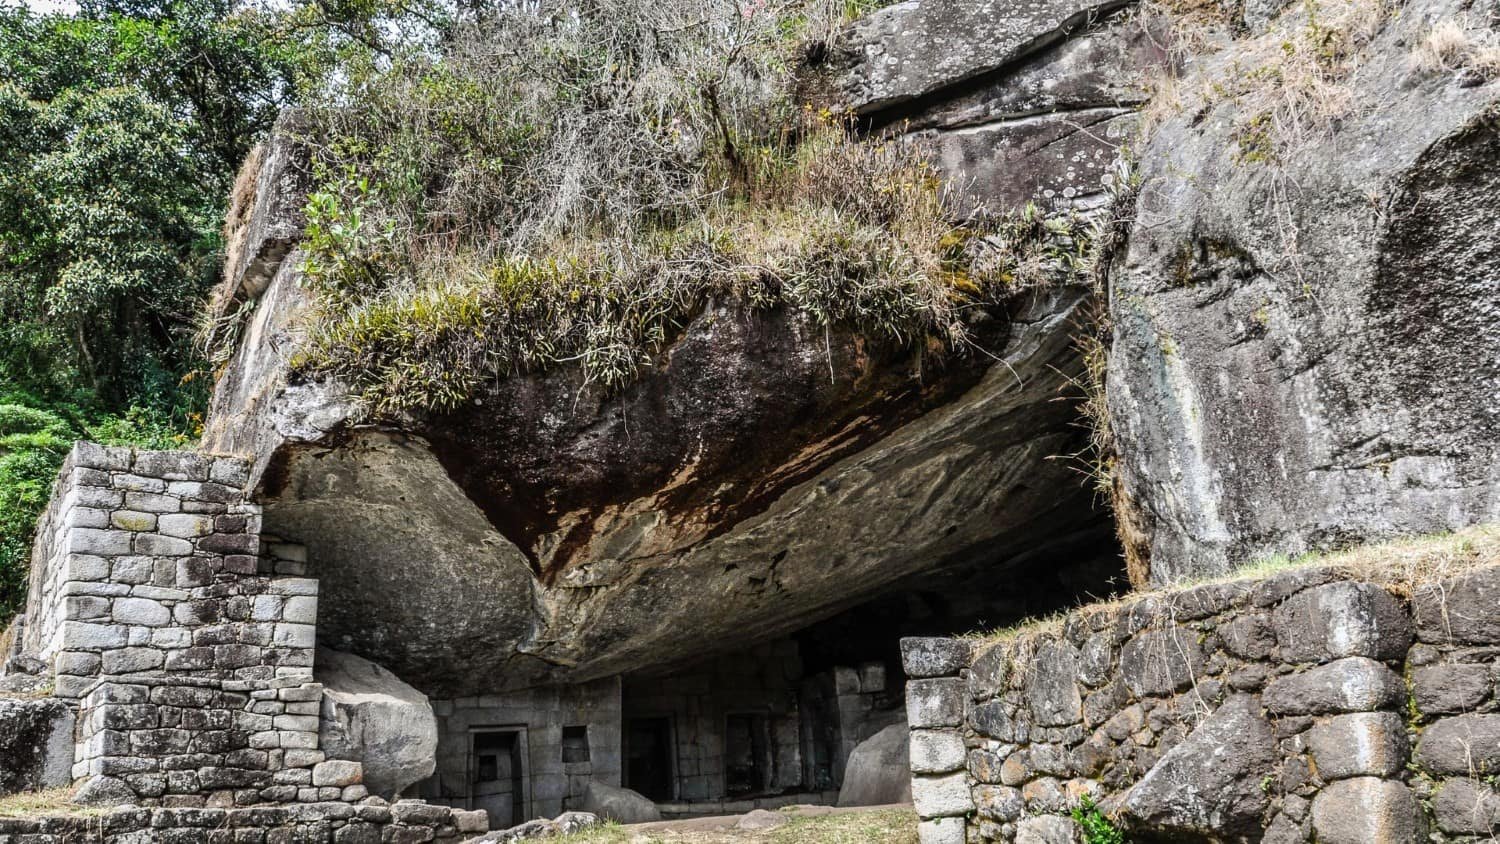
[
  {"x": 35, "y": 436},
  {"x": 1096, "y": 828}
]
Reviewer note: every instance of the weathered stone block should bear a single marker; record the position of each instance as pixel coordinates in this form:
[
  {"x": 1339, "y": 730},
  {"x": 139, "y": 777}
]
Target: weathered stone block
[
  {"x": 941, "y": 796},
  {"x": 1459, "y": 610},
  {"x": 132, "y": 570},
  {"x": 185, "y": 525},
  {"x": 1361, "y": 744},
  {"x": 1248, "y": 636},
  {"x": 132, "y": 521},
  {"x": 295, "y": 635},
  {"x": 150, "y": 502},
  {"x": 1159, "y": 662},
  {"x": 1366, "y": 810},
  {"x": 1052, "y": 692},
  {"x": 81, "y": 664},
  {"x": 102, "y": 543},
  {"x": 934, "y": 657},
  {"x": 1464, "y": 745},
  {"x": 1352, "y": 684},
  {"x": 998, "y": 802},
  {"x": 1451, "y": 688},
  {"x": 300, "y": 609},
  {"x": 1466, "y": 807},
  {"x": 1044, "y": 796},
  {"x": 1095, "y": 660},
  {"x": 941, "y": 831},
  {"x": 156, "y": 545},
  {"x": 36, "y": 744},
  {"x": 82, "y": 636},
  {"x": 132, "y": 660},
  {"x": 85, "y": 608},
  {"x": 94, "y": 456},
  {"x": 172, "y": 465},
  {"x": 141, "y": 611},
  {"x": 935, "y": 703},
  {"x": 337, "y": 774},
  {"x": 995, "y": 720},
  {"x": 1047, "y": 829},
  {"x": 1342, "y": 619},
  {"x": 936, "y": 751},
  {"x": 1209, "y": 785},
  {"x": 138, "y": 483}
]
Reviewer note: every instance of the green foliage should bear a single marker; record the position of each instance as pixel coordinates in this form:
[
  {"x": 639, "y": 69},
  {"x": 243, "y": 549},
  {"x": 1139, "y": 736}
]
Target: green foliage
[
  {"x": 119, "y": 131},
  {"x": 121, "y": 128},
  {"x": 1096, "y": 828},
  {"x": 35, "y": 436}
]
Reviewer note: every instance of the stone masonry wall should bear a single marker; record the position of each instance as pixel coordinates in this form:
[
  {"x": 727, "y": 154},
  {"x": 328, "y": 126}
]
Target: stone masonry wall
[
  {"x": 551, "y": 784},
  {"x": 1309, "y": 705},
  {"x": 147, "y": 562},
  {"x": 374, "y": 821}
]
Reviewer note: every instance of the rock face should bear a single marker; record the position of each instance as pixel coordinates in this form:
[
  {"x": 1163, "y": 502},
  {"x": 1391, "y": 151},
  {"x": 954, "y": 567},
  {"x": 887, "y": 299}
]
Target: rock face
[
  {"x": 370, "y": 716},
  {"x": 879, "y": 769},
  {"x": 36, "y": 744},
  {"x": 1021, "y": 102},
  {"x": 763, "y": 473},
  {"x": 1304, "y": 351}
]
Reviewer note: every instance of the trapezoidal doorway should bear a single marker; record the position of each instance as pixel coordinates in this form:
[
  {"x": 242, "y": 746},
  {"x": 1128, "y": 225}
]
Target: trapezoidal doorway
[
  {"x": 497, "y": 775},
  {"x": 649, "y": 757}
]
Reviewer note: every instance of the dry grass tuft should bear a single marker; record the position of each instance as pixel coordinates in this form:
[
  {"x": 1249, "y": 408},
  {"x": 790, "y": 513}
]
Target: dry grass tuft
[
  {"x": 1299, "y": 79},
  {"x": 51, "y": 802},
  {"x": 1290, "y": 85},
  {"x": 1458, "y": 44},
  {"x": 570, "y": 188}
]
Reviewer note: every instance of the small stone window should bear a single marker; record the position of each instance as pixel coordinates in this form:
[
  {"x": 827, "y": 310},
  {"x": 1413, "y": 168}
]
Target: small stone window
[{"x": 575, "y": 744}]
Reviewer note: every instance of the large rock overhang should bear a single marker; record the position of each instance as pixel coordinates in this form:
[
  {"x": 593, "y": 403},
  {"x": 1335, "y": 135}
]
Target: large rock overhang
[{"x": 687, "y": 514}]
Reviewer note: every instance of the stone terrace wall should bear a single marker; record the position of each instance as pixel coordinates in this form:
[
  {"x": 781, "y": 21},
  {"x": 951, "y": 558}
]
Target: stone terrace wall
[
  {"x": 1305, "y": 706},
  {"x": 372, "y": 822}
]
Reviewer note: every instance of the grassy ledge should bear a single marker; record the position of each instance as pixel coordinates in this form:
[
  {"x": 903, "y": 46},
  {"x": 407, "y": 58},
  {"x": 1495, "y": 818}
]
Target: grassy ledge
[{"x": 1401, "y": 565}]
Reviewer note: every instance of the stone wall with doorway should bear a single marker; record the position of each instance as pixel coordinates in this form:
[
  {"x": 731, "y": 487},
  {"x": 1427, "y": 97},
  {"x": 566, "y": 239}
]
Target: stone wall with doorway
[
  {"x": 749, "y": 730},
  {"x": 549, "y": 742}
]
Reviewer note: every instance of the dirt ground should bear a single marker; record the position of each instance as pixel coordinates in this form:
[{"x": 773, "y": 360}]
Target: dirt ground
[{"x": 791, "y": 825}]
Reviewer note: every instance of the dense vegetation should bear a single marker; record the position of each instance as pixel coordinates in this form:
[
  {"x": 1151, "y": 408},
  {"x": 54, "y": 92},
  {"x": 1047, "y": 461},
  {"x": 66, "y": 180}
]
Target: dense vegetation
[
  {"x": 121, "y": 127},
  {"x": 570, "y": 183}
]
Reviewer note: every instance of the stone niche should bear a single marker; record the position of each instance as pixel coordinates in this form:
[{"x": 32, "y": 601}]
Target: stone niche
[{"x": 1308, "y": 705}]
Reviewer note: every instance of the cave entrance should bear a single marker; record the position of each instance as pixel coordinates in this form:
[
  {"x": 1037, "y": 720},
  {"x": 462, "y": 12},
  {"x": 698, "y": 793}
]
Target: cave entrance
[
  {"x": 747, "y": 755},
  {"x": 497, "y": 774},
  {"x": 648, "y": 758}
]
